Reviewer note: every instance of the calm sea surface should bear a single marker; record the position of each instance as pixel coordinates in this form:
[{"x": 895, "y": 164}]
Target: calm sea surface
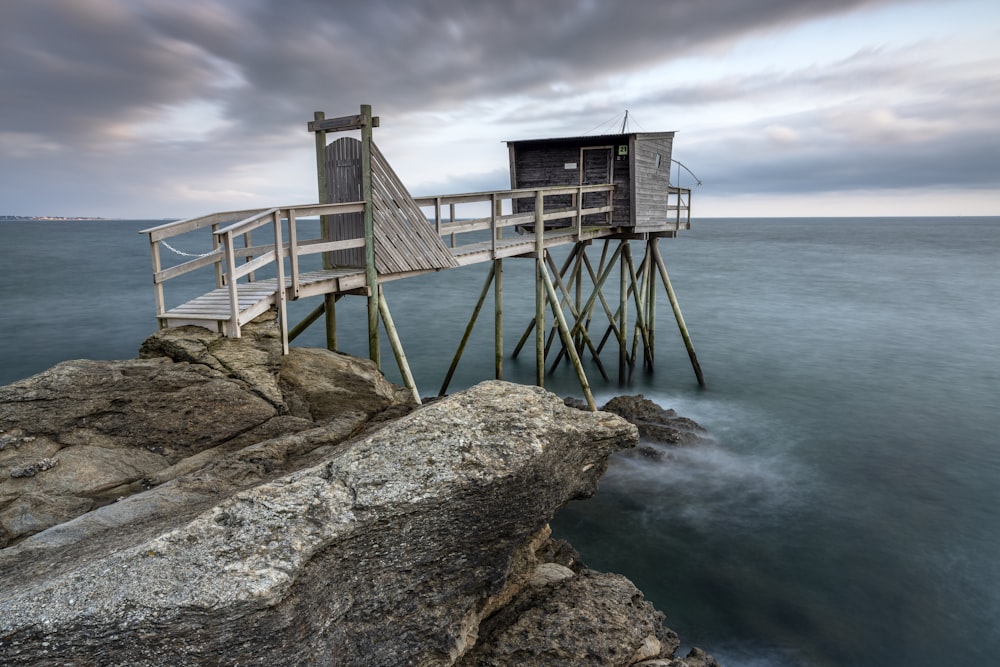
[{"x": 848, "y": 512}]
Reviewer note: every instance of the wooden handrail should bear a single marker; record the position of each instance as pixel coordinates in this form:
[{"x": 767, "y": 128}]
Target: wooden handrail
[
  {"x": 226, "y": 253},
  {"x": 170, "y": 229}
]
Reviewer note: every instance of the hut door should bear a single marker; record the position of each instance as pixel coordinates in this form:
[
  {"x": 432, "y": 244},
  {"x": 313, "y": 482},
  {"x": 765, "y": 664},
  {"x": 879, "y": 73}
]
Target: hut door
[
  {"x": 596, "y": 167},
  {"x": 343, "y": 184}
]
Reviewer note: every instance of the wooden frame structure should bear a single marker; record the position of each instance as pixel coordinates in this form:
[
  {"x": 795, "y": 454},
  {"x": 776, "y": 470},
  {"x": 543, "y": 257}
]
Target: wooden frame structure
[{"x": 384, "y": 234}]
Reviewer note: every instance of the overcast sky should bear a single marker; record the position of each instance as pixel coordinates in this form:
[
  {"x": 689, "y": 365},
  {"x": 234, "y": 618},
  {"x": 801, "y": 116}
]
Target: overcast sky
[{"x": 172, "y": 108}]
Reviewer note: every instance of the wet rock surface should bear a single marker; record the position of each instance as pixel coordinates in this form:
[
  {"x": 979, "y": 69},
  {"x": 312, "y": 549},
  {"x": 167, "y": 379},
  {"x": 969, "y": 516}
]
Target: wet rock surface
[{"x": 656, "y": 423}]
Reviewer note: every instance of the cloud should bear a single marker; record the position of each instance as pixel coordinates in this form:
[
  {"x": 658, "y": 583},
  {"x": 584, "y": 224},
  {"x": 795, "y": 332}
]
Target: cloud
[{"x": 167, "y": 101}]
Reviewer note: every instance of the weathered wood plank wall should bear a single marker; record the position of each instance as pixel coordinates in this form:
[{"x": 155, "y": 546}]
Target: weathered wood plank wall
[
  {"x": 343, "y": 183},
  {"x": 651, "y": 157},
  {"x": 404, "y": 239}
]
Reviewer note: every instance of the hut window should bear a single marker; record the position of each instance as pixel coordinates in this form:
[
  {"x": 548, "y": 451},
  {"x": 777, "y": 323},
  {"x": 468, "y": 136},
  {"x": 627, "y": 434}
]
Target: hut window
[
  {"x": 657, "y": 160},
  {"x": 569, "y": 165}
]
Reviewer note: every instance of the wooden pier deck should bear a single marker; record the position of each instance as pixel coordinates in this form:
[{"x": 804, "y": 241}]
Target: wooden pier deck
[{"x": 215, "y": 308}]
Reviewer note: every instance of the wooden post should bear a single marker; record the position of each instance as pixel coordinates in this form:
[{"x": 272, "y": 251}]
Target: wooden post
[
  {"x": 498, "y": 318},
  {"x": 326, "y": 232},
  {"x": 468, "y": 332},
  {"x": 678, "y": 316},
  {"x": 216, "y": 244},
  {"x": 154, "y": 251},
  {"x": 640, "y": 322},
  {"x": 622, "y": 314},
  {"x": 599, "y": 281},
  {"x": 578, "y": 277},
  {"x": 539, "y": 290},
  {"x": 578, "y": 330},
  {"x": 497, "y": 295},
  {"x": 397, "y": 347},
  {"x": 567, "y": 338},
  {"x": 650, "y": 283},
  {"x": 279, "y": 265},
  {"x": 295, "y": 331},
  {"x": 527, "y": 331},
  {"x": 293, "y": 253},
  {"x": 234, "y": 295},
  {"x": 371, "y": 274}
]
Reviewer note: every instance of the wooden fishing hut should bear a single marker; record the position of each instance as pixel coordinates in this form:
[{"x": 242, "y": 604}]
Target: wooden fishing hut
[
  {"x": 572, "y": 191},
  {"x": 637, "y": 164}
]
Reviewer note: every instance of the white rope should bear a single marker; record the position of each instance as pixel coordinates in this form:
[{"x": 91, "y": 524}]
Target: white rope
[{"x": 182, "y": 253}]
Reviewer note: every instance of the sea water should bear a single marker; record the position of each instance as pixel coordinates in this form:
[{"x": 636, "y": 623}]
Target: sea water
[{"x": 846, "y": 510}]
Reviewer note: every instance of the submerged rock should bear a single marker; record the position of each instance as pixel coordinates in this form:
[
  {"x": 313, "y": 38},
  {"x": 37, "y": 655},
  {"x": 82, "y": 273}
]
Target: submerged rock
[{"x": 656, "y": 423}]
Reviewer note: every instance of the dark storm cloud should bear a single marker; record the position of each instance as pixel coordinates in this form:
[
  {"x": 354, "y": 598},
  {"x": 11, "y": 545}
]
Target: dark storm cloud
[
  {"x": 121, "y": 87},
  {"x": 87, "y": 66}
]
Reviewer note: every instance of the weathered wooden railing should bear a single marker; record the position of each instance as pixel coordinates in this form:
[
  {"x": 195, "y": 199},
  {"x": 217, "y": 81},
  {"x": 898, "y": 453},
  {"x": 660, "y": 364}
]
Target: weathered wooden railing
[
  {"x": 679, "y": 202},
  {"x": 235, "y": 257},
  {"x": 501, "y": 200}
]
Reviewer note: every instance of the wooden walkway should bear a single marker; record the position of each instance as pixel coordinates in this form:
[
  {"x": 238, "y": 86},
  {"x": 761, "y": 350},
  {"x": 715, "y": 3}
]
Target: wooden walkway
[
  {"x": 389, "y": 235},
  {"x": 258, "y": 297},
  {"x": 255, "y": 298}
]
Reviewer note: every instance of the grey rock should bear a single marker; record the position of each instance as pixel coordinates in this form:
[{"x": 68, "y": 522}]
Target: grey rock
[
  {"x": 87, "y": 433},
  {"x": 656, "y": 423},
  {"x": 695, "y": 658},
  {"x": 386, "y": 550},
  {"x": 319, "y": 384},
  {"x": 591, "y": 618},
  {"x": 83, "y": 432},
  {"x": 254, "y": 359}
]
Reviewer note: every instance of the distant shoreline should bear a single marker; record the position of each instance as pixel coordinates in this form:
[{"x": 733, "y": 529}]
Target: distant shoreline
[{"x": 48, "y": 217}]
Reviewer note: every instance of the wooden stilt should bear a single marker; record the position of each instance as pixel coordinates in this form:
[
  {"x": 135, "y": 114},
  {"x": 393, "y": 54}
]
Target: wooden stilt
[
  {"x": 498, "y": 318},
  {"x": 567, "y": 338},
  {"x": 523, "y": 339},
  {"x": 371, "y": 273},
  {"x": 539, "y": 290},
  {"x": 577, "y": 277},
  {"x": 326, "y": 231},
  {"x": 678, "y": 316},
  {"x": 531, "y": 325},
  {"x": 577, "y": 330},
  {"x": 468, "y": 331},
  {"x": 397, "y": 347},
  {"x": 307, "y": 322},
  {"x": 598, "y": 293},
  {"x": 650, "y": 301},
  {"x": 330, "y": 301},
  {"x": 640, "y": 320},
  {"x": 641, "y": 292},
  {"x": 622, "y": 314},
  {"x": 279, "y": 265}
]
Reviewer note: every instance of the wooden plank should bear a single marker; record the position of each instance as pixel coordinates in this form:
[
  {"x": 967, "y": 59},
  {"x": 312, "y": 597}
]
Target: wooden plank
[
  {"x": 344, "y": 183},
  {"x": 340, "y": 124},
  {"x": 405, "y": 240},
  {"x": 186, "y": 267},
  {"x": 167, "y": 230}
]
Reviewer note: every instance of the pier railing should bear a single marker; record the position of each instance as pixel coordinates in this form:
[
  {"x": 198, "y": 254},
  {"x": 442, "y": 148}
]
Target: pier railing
[
  {"x": 502, "y": 215},
  {"x": 234, "y": 255},
  {"x": 679, "y": 203}
]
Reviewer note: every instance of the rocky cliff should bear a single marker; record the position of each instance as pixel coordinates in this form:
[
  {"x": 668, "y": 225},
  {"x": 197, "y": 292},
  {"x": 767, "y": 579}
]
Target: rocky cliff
[{"x": 215, "y": 503}]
